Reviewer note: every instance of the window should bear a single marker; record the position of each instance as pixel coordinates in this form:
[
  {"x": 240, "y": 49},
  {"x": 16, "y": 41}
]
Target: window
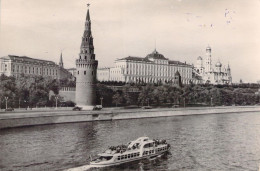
[
  {"x": 78, "y": 72},
  {"x": 85, "y": 72}
]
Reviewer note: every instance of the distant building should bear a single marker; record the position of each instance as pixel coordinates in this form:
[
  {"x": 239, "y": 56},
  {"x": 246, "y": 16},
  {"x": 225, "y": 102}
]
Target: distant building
[
  {"x": 153, "y": 68},
  {"x": 208, "y": 74},
  {"x": 73, "y": 72},
  {"x": 12, "y": 65}
]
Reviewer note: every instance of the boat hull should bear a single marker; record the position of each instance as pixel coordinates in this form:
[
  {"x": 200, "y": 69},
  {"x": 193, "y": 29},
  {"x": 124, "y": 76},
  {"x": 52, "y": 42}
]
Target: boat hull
[{"x": 115, "y": 163}]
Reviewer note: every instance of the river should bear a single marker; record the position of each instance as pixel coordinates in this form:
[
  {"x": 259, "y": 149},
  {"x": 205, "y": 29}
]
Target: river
[{"x": 199, "y": 142}]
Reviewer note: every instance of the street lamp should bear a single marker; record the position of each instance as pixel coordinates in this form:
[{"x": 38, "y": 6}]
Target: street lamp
[
  {"x": 211, "y": 101},
  {"x": 19, "y": 102},
  {"x": 148, "y": 101},
  {"x": 6, "y": 98},
  {"x": 184, "y": 102},
  {"x": 56, "y": 98},
  {"x": 101, "y": 98}
]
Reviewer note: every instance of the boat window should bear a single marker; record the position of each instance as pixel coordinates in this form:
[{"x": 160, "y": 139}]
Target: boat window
[
  {"x": 132, "y": 155},
  {"x": 118, "y": 158},
  {"x": 104, "y": 158},
  {"x": 122, "y": 157},
  {"x": 125, "y": 156},
  {"x": 138, "y": 153},
  {"x": 128, "y": 155},
  {"x": 148, "y": 145}
]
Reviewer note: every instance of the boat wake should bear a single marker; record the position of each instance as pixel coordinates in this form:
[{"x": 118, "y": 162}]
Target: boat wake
[{"x": 81, "y": 168}]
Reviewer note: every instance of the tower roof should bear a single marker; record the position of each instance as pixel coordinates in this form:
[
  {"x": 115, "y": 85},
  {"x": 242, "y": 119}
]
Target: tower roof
[
  {"x": 61, "y": 60},
  {"x": 208, "y": 48},
  {"x": 199, "y": 58},
  {"x": 177, "y": 73},
  {"x": 88, "y": 16}
]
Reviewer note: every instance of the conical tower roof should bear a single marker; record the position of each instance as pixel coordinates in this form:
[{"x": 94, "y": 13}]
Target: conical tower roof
[{"x": 61, "y": 61}]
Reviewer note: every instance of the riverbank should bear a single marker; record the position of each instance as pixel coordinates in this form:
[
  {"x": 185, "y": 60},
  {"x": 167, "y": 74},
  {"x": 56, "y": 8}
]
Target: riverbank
[{"x": 19, "y": 119}]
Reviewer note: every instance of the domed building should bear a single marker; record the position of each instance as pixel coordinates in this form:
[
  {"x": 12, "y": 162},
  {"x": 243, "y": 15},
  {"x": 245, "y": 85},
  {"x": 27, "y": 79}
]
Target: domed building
[
  {"x": 154, "y": 68},
  {"x": 208, "y": 74}
]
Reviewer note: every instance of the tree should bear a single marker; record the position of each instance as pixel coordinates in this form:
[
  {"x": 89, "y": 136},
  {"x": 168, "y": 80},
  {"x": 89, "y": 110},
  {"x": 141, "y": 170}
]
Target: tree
[{"x": 117, "y": 98}]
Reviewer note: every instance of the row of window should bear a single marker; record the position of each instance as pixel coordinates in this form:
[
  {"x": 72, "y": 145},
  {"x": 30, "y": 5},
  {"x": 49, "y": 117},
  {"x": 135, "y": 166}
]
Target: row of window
[
  {"x": 148, "y": 152},
  {"x": 128, "y": 156},
  {"x": 162, "y": 149},
  {"x": 85, "y": 72},
  {"x": 30, "y": 70}
]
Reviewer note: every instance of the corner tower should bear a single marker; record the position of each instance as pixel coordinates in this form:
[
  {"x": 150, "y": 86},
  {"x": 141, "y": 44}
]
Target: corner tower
[{"x": 86, "y": 67}]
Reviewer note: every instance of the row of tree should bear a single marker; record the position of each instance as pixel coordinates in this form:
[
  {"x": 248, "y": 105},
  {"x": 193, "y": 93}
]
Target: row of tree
[
  {"x": 27, "y": 91},
  {"x": 172, "y": 95}
]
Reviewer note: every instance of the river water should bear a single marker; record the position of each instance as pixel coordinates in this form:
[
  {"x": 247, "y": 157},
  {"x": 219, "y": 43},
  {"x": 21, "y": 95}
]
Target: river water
[{"x": 201, "y": 142}]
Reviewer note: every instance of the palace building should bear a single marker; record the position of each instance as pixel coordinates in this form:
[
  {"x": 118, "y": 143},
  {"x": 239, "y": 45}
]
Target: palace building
[
  {"x": 217, "y": 75},
  {"x": 154, "y": 68},
  {"x": 12, "y": 65}
]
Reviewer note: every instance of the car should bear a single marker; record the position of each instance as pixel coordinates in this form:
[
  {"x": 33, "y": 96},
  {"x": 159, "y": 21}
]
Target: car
[
  {"x": 9, "y": 109},
  {"x": 97, "y": 107},
  {"x": 77, "y": 108},
  {"x": 147, "y": 107},
  {"x": 176, "y": 106}
]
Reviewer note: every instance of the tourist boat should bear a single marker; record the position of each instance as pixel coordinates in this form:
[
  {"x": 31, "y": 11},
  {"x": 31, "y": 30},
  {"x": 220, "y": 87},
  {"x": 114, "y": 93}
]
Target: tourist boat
[{"x": 141, "y": 148}]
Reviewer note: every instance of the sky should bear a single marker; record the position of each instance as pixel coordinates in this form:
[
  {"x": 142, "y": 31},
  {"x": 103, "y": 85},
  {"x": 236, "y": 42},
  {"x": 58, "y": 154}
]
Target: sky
[{"x": 179, "y": 29}]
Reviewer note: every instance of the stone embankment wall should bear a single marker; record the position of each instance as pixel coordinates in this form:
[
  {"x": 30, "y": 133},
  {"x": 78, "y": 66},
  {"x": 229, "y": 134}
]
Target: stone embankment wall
[{"x": 54, "y": 117}]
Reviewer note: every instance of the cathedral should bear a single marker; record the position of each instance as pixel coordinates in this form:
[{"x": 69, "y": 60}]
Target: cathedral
[{"x": 209, "y": 74}]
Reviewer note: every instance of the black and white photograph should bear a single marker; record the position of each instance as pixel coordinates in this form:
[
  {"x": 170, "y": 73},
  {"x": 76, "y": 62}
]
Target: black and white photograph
[{"x": 129, "y": 85}]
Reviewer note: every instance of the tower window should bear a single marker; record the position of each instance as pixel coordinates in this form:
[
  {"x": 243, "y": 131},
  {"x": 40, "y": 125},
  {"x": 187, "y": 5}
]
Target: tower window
[
  {"x": 85, "y": 72},
  {"x": 78, "y": 72}
]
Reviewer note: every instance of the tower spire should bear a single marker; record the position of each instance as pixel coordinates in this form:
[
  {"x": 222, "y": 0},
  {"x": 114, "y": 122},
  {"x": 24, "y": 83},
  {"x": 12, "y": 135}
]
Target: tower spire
[
  {"x": 88, "y": 16},
  {"x": 61, "y": 61}
]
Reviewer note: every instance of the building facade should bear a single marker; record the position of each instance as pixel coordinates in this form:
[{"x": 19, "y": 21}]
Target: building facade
[
  {"x": 153, "y": 68},
  {"x": 212, "y": 75},
  {"x": 86, "y": 67},
  {"x": 12, "y": 65}
]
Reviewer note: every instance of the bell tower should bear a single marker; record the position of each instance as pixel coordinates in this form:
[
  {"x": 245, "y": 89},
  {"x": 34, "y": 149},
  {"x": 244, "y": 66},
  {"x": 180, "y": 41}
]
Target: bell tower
[
  {"x": 208, "y": 62},
  {"x": 86, "y": 66}
]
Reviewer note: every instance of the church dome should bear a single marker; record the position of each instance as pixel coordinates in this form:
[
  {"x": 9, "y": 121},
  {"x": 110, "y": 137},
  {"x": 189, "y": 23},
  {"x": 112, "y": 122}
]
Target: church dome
[
  {"x": 218, "y": 64},
  {"x": 199, "y": 58},
  {"x": 208, "y": 48},
  {"x": 155, "y": 55}
]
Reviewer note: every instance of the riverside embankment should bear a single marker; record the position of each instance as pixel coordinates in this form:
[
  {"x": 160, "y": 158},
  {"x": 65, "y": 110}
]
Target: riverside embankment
[{"x": 29, "y": 118}]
